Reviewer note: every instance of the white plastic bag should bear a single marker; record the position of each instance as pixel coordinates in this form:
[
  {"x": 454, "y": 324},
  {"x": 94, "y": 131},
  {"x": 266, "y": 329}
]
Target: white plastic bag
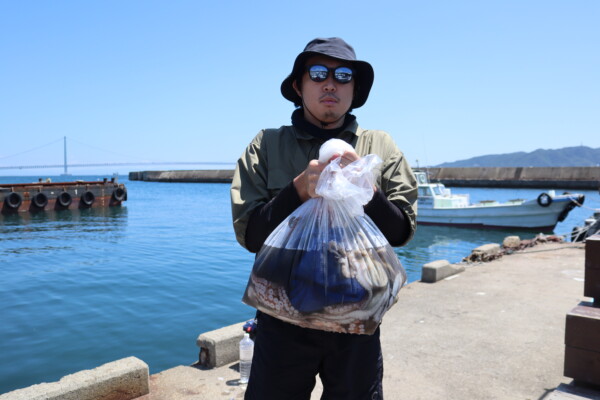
[{"x": 327, "y": 266}]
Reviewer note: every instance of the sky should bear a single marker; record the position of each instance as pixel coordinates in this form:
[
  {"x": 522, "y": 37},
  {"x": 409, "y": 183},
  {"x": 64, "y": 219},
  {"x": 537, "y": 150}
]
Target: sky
[{"x": 195, "y": 81}]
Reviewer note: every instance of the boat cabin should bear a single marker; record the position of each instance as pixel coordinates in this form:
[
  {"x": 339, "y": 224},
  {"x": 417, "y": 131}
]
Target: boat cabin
[{"x": 435, "y": 195}]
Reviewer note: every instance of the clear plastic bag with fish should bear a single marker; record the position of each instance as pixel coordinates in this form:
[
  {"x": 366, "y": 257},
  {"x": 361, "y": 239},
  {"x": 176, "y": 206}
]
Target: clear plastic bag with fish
[{"x": 327, "y": 266}]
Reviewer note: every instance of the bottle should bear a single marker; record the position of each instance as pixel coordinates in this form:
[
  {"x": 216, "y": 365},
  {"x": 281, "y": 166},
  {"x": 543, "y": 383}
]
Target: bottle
[{"x": 246, "y": 353}]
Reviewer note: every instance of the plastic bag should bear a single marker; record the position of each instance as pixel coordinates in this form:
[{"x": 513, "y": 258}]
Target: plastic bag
[{"x": 327, "y": 266}]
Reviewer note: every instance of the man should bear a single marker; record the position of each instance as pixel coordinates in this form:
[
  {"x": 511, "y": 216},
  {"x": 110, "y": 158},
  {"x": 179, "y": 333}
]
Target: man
[{"x": 275, "y": 175}]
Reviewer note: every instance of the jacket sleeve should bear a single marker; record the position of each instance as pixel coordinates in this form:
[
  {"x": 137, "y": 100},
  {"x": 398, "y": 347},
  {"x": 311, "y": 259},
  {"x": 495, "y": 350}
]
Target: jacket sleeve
[
  {"x": 249, "y": 186},
  {"x": 400, "y": 187},
  {"x": 390, "y": 219},
  {"x": 257, "y": 206},
  {"x": 265, "y": 218},
  {"x": 397, "y": 182}
]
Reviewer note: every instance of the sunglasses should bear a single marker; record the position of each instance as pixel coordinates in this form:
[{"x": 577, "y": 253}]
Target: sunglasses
[{"x": 319, "y": 73}]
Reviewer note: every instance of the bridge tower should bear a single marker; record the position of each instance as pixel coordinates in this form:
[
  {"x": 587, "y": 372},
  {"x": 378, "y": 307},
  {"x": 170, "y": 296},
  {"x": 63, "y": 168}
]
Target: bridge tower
[{"x": 66, "y": 173}]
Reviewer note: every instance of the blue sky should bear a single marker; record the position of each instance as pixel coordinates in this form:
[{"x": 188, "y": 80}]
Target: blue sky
[{"x": 132, "y": 81}]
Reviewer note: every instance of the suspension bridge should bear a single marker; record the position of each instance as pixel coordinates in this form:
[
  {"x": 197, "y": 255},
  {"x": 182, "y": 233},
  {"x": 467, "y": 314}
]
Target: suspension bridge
[{"x": 65, "y": 165}]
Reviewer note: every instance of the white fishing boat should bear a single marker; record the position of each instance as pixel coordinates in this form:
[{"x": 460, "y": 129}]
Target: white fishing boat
[{"x": 437, "y": 205}]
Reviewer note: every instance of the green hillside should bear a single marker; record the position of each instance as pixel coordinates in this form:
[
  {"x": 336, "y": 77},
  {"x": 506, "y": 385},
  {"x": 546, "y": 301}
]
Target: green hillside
[{"x": 579, "y": 156}]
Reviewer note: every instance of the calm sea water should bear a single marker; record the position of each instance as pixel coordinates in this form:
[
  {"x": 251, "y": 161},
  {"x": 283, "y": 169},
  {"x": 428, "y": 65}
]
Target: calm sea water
[{"x": 82, "y": 288}]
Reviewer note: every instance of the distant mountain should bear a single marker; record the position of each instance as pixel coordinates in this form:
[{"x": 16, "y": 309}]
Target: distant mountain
[{"x": 579, "y": 156}]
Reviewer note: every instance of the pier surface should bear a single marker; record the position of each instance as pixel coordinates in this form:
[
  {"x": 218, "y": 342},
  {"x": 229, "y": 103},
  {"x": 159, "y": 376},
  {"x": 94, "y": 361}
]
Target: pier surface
[{"x": 494, "y": 331}]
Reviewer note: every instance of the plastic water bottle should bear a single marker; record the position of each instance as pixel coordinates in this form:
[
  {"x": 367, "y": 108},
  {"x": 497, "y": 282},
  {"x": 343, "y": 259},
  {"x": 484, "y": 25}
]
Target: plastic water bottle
[{"x": 246, "y": 353}]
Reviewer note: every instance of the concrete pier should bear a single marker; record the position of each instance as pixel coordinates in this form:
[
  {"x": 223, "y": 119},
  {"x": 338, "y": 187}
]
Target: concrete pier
[
  {"x": 586, "y": 178},
  {"x": 494, "y": 331}
]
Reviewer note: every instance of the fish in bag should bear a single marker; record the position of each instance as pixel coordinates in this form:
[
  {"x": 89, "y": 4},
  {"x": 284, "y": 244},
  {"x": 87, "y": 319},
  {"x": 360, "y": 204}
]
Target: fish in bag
[{"x": 327, "y": 266}]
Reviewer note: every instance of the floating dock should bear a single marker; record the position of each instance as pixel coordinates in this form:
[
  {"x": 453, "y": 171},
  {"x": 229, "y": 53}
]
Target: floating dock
[{"x": 46, "y": 195}]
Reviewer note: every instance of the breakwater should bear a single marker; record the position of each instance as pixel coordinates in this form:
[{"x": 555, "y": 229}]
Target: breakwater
[
  {"x": 194, "y": 176},
  {"x": 587, "y": 178}
]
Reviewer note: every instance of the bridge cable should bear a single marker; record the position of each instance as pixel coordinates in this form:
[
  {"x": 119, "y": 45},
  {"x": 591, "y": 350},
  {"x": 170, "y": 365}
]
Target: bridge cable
[
  {"x": 30, "y": 150},
  {"x": 104, "y": 150}
]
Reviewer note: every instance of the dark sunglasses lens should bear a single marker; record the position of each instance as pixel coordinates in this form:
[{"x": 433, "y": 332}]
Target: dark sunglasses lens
[
  {"x": 343, "y": 74},
  {"x": 318, "y": 73}
]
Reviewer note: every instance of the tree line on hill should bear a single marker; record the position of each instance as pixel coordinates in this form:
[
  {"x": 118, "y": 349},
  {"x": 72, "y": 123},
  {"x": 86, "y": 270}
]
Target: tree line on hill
[{"x": 578, "y": 156}]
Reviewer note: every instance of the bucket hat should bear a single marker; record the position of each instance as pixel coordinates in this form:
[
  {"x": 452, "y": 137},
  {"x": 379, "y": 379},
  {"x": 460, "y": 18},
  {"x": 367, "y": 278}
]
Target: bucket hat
[{"x": 340, "y": 50}]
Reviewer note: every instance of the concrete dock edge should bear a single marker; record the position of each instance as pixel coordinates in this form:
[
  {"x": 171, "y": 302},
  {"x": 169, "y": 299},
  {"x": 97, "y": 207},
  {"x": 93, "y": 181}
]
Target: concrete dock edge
[
  {"x": 220, "y": 347},
  {"x": 438, "y": 270},
  {"x": 123, "y": 379}
]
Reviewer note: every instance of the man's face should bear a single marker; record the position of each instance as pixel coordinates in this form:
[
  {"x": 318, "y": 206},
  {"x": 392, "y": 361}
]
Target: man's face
[{"x": 329, "y": 100}]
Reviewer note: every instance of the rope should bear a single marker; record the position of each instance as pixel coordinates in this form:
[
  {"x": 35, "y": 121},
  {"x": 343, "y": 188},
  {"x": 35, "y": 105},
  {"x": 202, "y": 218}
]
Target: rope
[
  {"x": 541, "y": 251},
  {"x": 578, "y": 204}
]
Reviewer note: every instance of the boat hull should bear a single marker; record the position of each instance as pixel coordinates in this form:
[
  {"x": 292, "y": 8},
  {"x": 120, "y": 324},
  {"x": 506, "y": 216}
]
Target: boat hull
[{"x": 529, "y": 215}]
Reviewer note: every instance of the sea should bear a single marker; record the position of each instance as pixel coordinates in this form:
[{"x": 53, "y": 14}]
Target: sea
[{"x": 85, "y": 287}]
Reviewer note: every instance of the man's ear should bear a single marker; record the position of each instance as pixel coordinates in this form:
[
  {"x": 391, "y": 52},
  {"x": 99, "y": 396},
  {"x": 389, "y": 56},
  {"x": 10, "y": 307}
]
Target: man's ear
[{"x": 295, "y": 86}]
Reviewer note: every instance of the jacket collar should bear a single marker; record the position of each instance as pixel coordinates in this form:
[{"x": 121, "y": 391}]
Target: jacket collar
[{"x": 305, "y": 130}]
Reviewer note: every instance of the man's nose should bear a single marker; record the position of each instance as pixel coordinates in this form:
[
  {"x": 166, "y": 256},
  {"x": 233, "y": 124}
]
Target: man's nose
[{"x": 329, "y": 84}]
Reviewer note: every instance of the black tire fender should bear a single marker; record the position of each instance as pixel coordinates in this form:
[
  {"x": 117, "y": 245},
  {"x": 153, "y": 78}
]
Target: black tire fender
[
  {"x": 13, "y": 200},
  {"x": 64, "y": 199},
  {"x": 118, "y": 194},
  {"x": 544, "y": 200},
  {"x": 40, "y": 200},
  {"x": 87, "y": 198}
]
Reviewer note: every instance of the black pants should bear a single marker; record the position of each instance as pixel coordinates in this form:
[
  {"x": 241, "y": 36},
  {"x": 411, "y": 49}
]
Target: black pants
[{"x": 287, "y": 359}]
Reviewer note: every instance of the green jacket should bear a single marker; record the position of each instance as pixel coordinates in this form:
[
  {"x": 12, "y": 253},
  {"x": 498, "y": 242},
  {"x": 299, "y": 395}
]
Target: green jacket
[{"x": 276, "y": 156}]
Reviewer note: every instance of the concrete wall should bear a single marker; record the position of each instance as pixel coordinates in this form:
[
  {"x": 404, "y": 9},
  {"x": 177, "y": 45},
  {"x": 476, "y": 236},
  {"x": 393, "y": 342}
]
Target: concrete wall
[
  {"x": 198, "y": 176},
  {"x": 520, "y": 177}
]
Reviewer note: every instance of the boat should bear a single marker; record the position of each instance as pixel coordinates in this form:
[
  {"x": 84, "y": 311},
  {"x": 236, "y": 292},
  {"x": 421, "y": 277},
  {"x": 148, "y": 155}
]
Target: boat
[
  {"x": 47, "y": 195},
  {"x": 437, "y": 205}
]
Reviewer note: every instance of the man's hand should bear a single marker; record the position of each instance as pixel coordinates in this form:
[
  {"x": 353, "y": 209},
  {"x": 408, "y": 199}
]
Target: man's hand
[
  {"x": 347, "y": 158},
  {"x": 306, "y": 182}
]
